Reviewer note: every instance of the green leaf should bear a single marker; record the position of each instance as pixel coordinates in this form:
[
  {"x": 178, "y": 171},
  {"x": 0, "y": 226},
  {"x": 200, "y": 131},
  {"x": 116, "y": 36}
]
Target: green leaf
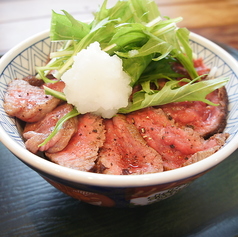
[
  {"x": 162, "y": 69},
  {"x": 144, "y": 11},
  {"x": 100, "y": 33},
  {"x": 59, "y": 125},
  {"x": 119, "y": 11},
  {"x": 128, "y": 36},
  {"x": 184, "y": 54},
  {"x": 173, "y": 92},
  {"x": 134, "y": 67},
  {"x": 65, "y": 27},
  {"x": 101, "y": 14},
  {"x": 56, "y": 94},
  {"x": 150, "y": 47}
]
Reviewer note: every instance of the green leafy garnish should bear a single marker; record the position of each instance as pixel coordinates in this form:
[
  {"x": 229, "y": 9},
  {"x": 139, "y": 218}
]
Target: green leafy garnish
[
  {"x": 59, "y": 125},
  {"x": 56, "y": 94},
  {"x": 66, "y": 27},
  {"x": 133, "y": 29},
  {"x": 148, "y": 44},
  {"x": 173, "y": 92}
]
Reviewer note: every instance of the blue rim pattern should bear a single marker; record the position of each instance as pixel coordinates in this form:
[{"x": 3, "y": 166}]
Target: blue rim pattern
[{"x": 223, "y": 70}]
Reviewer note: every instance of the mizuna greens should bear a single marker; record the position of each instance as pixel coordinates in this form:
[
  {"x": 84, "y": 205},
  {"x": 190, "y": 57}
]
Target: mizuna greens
[{"x": 147, "y": 43}]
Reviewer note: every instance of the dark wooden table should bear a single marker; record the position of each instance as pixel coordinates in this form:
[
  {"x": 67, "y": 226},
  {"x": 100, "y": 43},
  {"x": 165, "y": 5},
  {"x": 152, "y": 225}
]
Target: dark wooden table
[{"x": 29, "y": 206}]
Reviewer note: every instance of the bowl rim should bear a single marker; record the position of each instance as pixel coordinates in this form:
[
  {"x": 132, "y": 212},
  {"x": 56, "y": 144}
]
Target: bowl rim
[{"x": 116, "y": 181}]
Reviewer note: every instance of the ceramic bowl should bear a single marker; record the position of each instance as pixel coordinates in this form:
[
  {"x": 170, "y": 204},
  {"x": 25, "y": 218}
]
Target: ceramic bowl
[{"x": 113, "y": 190}]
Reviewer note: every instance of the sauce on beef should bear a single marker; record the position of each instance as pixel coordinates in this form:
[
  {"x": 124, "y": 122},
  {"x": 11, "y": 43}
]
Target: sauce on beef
[{"x": 125, "y": 151}]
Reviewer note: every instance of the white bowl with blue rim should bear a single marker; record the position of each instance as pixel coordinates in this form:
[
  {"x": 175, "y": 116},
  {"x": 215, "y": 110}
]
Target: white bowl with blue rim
[{"x": 113, "y": 190}]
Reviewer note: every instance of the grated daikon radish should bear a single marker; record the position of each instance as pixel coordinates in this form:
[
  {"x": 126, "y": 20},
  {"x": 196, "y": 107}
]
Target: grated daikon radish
[{"x": 97, "y": 83}]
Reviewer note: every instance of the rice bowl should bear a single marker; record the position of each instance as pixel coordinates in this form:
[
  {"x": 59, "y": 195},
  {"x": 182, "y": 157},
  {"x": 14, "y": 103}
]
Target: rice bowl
[{"x": 113, "y": 190}]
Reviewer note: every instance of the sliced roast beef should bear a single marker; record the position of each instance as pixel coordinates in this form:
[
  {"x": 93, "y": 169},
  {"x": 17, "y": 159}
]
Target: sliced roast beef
[
  {"x": 28, "y": 103},
  {"x": 82, "y": 150},
  {"x": 125, "y": 151},
  {"x": 36, "y": 133},
  {"x": 203, "y": 118},
  {"x": 175, "y": 145},
  {"x": 213, "y": 145},
  {"x": 33, "y": 81},
  {"x": 57, "y": 86}
]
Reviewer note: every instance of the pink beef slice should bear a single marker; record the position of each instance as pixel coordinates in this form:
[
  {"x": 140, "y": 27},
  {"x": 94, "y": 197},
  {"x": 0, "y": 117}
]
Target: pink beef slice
[
  {"x": 58, "y": 86},
  {"x": 217, "y": 140},
  {"x": 125, "y": 152},
  {"x": 36, "y": 133},
  {"x": 203, "y": 118},
  {"x": 82, "y": 150},
  {"x": 175, "y": 145},
  {"x": 28, "y": 103}
]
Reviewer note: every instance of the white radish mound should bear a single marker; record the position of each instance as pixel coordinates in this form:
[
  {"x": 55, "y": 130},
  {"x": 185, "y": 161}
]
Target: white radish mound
[{"x": 97, "y": 83}]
